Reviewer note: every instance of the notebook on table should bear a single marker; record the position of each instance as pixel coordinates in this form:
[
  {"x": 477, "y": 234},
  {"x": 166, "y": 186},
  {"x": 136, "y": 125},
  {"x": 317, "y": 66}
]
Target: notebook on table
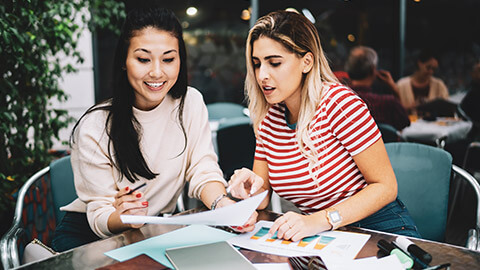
[{"x": 219, "y": 255}]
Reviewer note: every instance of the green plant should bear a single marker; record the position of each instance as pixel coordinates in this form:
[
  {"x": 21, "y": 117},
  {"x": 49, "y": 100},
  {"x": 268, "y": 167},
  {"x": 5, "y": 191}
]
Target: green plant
[{"x": 36, "y": 36}]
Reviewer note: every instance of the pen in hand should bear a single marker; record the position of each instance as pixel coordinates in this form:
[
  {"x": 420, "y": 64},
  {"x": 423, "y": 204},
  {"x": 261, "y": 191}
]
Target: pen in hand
[{"x": 137, "y": 188}]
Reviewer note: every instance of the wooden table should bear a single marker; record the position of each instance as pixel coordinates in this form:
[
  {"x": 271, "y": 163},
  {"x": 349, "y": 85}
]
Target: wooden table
[{"x": 92, "y": 256}]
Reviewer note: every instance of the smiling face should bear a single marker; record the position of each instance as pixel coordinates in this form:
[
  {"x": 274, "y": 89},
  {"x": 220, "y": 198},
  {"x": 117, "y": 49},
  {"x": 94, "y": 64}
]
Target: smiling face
[
  {"x": 152, "y": 64},
  {"x": 278, "y": 72}
]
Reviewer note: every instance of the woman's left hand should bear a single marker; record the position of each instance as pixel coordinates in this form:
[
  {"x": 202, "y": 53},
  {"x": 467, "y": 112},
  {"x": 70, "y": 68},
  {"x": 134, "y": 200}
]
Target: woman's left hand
[
  {"x": 249, "y": 225},
  {"x": 293, "y": 226}
]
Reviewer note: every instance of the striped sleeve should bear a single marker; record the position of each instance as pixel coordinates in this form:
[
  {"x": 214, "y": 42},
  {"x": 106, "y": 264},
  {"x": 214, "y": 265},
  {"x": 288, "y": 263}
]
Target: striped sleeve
[
  {"x": 259, "y": 147},
  {"x": 350, "y": 120}
]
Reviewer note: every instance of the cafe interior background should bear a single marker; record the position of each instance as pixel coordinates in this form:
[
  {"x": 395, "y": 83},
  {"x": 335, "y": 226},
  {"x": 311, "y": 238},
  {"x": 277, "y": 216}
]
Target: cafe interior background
[{"x": 215, "y": 32}]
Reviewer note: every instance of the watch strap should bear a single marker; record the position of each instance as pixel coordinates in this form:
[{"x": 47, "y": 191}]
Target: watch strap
[
  {"x": 334, "y": 218},
  {"x": 217, "y": 200}
]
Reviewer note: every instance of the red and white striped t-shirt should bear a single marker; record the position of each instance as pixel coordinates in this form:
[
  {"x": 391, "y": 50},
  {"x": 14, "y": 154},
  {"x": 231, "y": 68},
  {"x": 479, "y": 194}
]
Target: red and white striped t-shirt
[{"x": 342, "y": 127}]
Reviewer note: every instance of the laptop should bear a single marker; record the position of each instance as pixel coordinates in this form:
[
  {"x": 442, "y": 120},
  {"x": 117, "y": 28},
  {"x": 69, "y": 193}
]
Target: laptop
[{"x": 219, "y": 255}]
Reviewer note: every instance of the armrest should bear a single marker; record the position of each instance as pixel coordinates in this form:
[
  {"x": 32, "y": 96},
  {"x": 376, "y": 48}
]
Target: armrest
[
  {"x": 473, "y": 235},
  {"x": 8, "y": 244},
  {"x": 9, "y": 249}
]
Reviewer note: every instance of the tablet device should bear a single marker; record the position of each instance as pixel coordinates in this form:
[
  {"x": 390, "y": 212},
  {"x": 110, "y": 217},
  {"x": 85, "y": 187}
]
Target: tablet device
[{"x": 219, "y": 255}]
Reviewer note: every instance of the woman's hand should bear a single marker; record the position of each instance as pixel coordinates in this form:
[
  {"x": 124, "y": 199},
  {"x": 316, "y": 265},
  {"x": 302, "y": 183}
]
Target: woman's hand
[
  {"x": 293, "y": 226},
  {"x": 249, "y": 225},
  {"x": 244, "y": 183},
  {"x": 130, "y": 204}
]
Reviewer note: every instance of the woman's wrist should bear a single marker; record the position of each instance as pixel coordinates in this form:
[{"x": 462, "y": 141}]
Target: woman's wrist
[
  {"x": 224, "y": 202},
  {"x": 321, "y": 219}
]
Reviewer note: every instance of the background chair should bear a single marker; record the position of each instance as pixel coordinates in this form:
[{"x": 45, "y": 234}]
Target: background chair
[
  {"x": 389, "y": 133},
  {"x": 471, "y": 161},
  {"x": 37, "y": 210},
  {"x": 220, "y": 110},
  {"x": 236, "y": 145},
  {"x": 423, "y": 174},
  {"x": 236, "y": 149}
]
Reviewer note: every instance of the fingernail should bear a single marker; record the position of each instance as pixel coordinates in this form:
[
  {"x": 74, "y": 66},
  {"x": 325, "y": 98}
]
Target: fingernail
[
  {"x": 127, "y": 188},
  {"x": 138, "y": 195},
  {"x": 145, "y": 203},
  {"x": 240, "y": 227}
]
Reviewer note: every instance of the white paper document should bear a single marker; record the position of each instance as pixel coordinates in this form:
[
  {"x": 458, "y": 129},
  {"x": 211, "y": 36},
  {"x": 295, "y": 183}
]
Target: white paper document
[
  {"x": 337, "y": 244},
  {"x": 390, "y": 262},
  {"x": 231, "y": 215}
]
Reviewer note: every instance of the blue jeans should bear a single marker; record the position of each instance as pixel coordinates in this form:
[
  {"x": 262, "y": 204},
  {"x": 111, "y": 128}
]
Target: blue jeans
[
  {"x": 393, "y": 218},
  {"x": 73, "y": 231}
]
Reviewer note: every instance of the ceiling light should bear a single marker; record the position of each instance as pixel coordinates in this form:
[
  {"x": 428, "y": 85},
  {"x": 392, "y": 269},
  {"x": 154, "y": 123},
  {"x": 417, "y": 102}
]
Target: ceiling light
[{"x": 192, "y": 11}]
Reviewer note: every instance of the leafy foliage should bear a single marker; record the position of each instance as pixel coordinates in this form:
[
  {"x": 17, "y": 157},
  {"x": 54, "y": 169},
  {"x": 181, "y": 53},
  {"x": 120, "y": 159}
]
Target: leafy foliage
[{"x": 36, "y": 36}]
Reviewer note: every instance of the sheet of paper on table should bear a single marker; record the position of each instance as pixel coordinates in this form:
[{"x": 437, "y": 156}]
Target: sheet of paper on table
[
  {"x": 390, "y": 262},
  {"x": 337, "y": 244},
  {"x": 232, "y": 215}
]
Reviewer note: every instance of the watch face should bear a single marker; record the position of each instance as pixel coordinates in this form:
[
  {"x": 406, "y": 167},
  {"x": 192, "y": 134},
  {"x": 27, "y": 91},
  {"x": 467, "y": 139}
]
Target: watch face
[{"x": 335, "y": 216}]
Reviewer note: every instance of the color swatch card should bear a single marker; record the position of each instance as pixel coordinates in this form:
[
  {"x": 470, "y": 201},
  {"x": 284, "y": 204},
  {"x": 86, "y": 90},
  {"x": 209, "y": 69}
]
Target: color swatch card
[{"x": 337, "y": 244}]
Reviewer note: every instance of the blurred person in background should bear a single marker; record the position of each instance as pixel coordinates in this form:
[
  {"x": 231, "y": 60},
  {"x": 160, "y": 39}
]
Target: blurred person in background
[
  {"x": 362, "y": 70},
  {"x": 422, "y": 87},
  {"x": 470, "y": 103}
]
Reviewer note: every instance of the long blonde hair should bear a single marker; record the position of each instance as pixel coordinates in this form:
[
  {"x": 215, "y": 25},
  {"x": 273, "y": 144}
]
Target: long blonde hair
[{"x": 298, "y": 35}]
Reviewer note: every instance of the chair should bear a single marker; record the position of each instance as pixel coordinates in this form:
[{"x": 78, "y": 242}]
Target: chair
[
  {"x": 236, "y": 149},
  {"x": 221, "y": 110},
  {"x": 389, "y": 133},
  {"x": 236, "y": 145},
  {"x": 472, "y": 157},
  {"x": 423, "y": 174},
  {"x": 37, "y": 210}
]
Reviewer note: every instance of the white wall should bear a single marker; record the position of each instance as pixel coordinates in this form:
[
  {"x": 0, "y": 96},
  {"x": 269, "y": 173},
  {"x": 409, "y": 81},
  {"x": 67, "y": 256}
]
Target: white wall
[{"x": 78, "y": 86}]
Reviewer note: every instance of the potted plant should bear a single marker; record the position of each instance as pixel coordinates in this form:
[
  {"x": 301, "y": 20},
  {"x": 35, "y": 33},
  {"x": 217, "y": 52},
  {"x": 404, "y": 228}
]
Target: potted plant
[{"x": 35, "y": 36}]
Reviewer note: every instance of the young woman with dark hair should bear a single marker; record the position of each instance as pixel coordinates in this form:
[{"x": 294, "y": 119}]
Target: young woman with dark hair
[{"x": 153, "y": 130}]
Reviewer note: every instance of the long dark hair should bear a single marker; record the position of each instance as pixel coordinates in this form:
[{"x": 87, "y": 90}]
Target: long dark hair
[{"x": 122, "y": 127}]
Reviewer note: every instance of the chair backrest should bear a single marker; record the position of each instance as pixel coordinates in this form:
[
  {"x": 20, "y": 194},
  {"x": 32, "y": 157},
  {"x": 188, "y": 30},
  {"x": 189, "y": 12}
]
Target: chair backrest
[
  {"x": 63, "y": 187},
  {"x": 236, "y": 144},
  {"x": 389, "y": 133},
  {"x": 423, "y": 175},
  {"x": 220, "y": 110},
  {"x": 37, "y": 210},
  {"x": 471, "y": 160}
]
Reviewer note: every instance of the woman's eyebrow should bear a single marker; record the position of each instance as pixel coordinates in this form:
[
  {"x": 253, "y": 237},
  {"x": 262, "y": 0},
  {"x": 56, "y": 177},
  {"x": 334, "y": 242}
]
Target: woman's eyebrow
[{"x": 147, "y": 51}]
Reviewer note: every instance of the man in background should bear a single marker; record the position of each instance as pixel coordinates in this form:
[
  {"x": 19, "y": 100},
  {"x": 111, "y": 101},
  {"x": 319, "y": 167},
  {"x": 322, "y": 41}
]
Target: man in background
[{"x": 361, "y": 67}]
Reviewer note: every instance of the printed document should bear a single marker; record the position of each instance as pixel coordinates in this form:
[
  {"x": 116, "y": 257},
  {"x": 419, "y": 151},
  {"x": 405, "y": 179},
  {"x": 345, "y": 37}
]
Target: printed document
[{"x": 235, "y": 214}]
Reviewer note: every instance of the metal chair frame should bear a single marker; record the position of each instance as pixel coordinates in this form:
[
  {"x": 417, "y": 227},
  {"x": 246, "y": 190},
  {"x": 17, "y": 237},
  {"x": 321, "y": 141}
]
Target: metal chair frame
[
  {"x": 8, "y": 244},
  {"x": 473, "y": 240}
]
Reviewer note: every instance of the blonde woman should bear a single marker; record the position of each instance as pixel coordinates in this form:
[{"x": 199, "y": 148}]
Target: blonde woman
[{"x": 317, "y": 144}]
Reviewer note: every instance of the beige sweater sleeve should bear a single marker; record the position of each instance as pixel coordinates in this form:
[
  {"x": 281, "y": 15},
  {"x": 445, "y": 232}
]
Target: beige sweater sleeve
[
  {"x": 202, "y": 159},
  {"x": 94, "y": 175}
]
